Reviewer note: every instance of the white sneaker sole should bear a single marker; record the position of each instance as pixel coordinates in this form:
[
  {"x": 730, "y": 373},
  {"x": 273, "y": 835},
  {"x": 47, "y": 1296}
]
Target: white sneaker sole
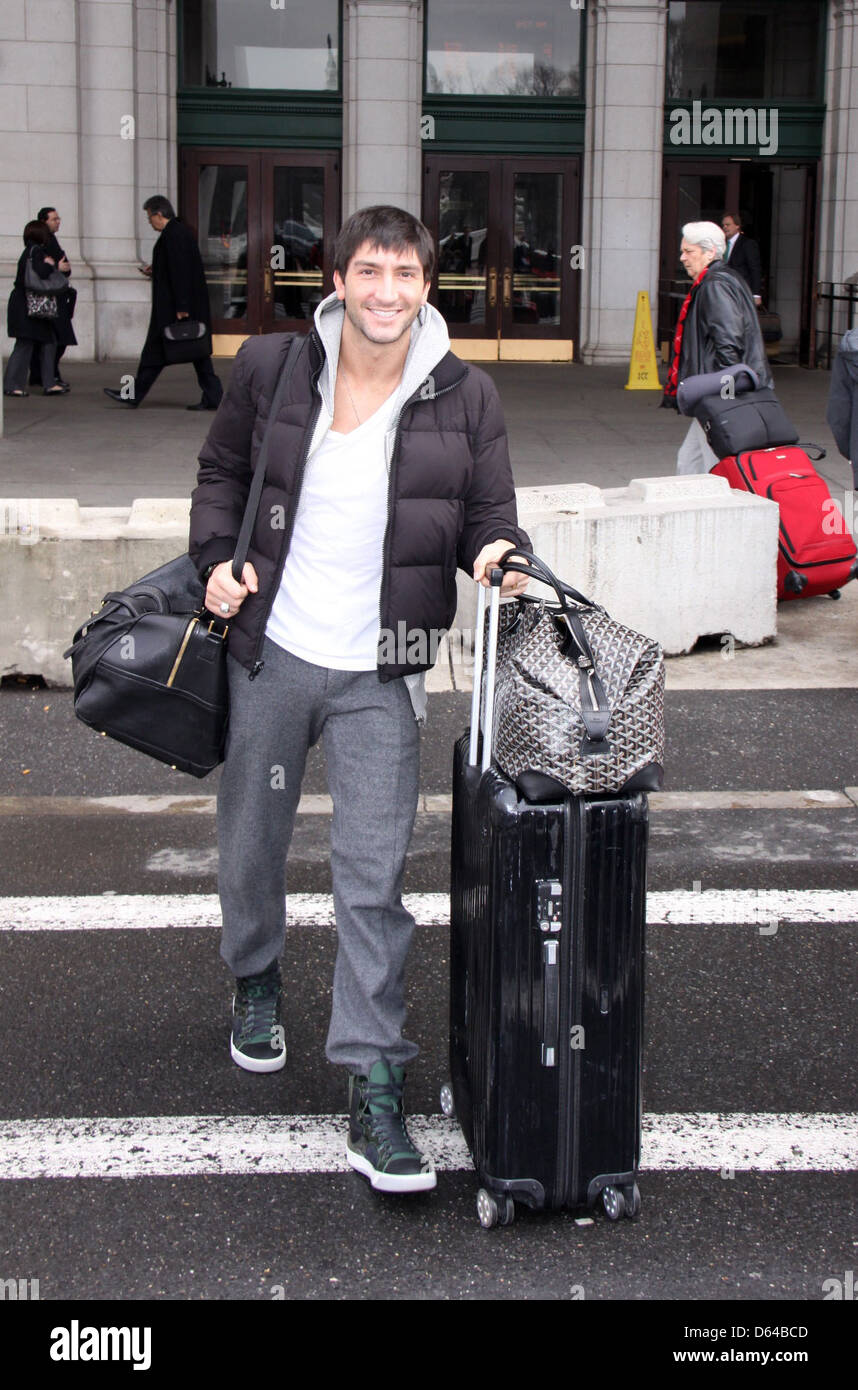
[
  {"x": 256, "y": 1063},
  {"x": 391, "y": 1182}
]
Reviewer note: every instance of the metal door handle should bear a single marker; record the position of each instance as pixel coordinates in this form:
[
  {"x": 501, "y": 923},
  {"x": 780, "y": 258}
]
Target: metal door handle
[
  {"x": 493, "y": 287},
  {"x": 507, "y": 287},
  {"x": 268, "y": 275}
]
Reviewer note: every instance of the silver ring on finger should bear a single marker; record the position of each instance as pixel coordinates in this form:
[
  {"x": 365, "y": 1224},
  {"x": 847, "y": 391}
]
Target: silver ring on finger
[{"x": 224, "y": 608}]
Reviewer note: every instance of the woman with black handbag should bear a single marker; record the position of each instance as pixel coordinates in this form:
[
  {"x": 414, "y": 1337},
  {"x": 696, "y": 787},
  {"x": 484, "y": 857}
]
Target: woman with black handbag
[{"x": 32, "y": 314}]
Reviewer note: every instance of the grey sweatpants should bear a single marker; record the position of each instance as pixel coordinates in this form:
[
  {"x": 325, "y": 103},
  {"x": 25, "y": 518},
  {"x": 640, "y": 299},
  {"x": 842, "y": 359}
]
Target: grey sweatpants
[
  {"x": 695, "y": 455},
  {"x": 372, "y": 749}
]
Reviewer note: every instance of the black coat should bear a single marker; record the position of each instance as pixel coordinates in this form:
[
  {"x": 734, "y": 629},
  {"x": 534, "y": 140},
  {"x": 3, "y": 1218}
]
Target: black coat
[
  {"x": 178, "y": 286},
  {"x": 745, "y": 261},
  {"x": 842, "y": 414},
  {"x": 722, "y": 328},
  {"x": 18, "y": 325},
  {"x": 63, "y": 325},
  {"x": 451, "y": 488}
]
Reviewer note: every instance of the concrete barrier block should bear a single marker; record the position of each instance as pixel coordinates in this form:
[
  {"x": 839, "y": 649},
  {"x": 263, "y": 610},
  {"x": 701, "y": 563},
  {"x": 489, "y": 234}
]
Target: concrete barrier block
[
  {"x": 58, "y": 560},
  {"x": 677, "y": 558}
]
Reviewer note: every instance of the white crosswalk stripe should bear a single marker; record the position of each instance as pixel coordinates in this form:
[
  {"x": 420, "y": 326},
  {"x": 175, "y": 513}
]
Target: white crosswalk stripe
[
  {"x": 190, "y": 1145},
  {"x": 108, "y": 911}
]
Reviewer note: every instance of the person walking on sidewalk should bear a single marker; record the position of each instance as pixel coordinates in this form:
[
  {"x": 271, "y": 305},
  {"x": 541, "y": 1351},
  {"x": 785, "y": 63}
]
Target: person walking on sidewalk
[
  {"x": 178, "y": 292},
  {"x": 388, "y": 467},
  {"x": 718, "y": 327},
  {"x": 31, "y": 333},
  {"x": 66, "y": 300}
]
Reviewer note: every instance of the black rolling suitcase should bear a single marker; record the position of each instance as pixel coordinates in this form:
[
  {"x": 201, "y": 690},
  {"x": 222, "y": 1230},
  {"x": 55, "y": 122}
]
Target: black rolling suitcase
[{"x": 547, "y": 957}]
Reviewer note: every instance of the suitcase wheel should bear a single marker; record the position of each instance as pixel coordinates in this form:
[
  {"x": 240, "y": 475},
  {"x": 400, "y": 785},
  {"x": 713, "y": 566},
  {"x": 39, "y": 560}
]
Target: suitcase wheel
[
  {"x": 834, "y": 593},
  {"x": 494, "y": 1211},
  {"x": 448, "y": 1105},
  {"x": 795, "y": 582},
  {"x": 621, "y": 1202},
  {"x": 633, "y": 1201},
  {"x": 613, "y": 1202}
]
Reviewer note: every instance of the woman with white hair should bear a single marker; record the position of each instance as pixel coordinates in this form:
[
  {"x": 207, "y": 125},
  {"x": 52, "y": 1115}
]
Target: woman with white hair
[{"x": 718, "y": 327}]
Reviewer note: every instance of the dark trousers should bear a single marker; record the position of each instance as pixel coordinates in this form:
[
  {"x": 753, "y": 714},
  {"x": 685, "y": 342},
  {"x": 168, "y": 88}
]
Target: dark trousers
[
  {"x": 209, "y": 381},
  {"x": 19, "y": 363},
  {"x": 36, "y": 366}
]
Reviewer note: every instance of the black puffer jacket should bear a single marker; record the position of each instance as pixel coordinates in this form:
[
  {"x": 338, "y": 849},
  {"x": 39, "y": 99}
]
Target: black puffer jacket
[
  {"x": 451, "y": 489},
  {"x": 722, "y": 328}
]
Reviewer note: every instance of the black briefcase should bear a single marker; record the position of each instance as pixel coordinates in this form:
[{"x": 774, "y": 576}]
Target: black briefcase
[
  {"x": 186, "y": 340},
  {"x": 755, "y": 420}
]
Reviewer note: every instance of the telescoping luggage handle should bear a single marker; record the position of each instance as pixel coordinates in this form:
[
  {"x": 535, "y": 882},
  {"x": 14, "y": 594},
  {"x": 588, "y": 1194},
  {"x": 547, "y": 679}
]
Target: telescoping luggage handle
[{"x": 595, "y": 710}]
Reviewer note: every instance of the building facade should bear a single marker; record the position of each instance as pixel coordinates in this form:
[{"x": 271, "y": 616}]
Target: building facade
[{"x": 554, "y": 147}]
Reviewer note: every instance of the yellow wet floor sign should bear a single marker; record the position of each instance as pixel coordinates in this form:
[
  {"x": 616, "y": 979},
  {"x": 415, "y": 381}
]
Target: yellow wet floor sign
[{"x": 643, "y": 372}]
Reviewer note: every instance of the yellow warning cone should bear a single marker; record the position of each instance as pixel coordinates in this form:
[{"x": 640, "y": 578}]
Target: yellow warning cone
[{"x": 643, "y": 372}]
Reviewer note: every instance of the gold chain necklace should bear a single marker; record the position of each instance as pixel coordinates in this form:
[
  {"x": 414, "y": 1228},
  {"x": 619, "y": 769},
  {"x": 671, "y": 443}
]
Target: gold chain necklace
[{"x": 351, "y": 397}]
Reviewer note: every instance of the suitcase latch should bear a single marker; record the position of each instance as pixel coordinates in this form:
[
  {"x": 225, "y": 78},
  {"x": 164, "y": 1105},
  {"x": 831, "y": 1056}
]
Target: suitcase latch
[{"x": 549, "y": 904}]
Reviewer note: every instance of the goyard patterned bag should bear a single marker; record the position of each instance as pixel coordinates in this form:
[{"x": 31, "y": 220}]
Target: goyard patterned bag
[{"x": 579, "y": 698}]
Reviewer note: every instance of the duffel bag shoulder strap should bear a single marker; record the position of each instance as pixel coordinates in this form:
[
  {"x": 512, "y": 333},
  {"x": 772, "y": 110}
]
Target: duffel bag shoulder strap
[{"x": 248, "y": 521}]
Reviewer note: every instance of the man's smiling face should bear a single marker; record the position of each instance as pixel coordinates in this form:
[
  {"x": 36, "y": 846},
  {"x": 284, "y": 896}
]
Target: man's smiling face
[{"x": 383, "y": 291}]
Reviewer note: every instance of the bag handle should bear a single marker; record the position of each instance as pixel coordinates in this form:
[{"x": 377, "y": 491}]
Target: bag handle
[
  {"x": 242, "y": 545},
  {"x": 537, "y": 569},
  {"x": 595, "y": 710},
  {"x": 821, "y": 452}
]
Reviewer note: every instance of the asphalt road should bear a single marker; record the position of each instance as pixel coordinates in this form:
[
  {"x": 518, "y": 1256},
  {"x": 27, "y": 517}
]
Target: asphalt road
[{"x": 742, "y": 1020}]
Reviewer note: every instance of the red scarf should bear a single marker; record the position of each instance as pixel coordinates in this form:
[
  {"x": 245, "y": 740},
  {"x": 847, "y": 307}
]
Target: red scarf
[{"x": 673, "y": 376}]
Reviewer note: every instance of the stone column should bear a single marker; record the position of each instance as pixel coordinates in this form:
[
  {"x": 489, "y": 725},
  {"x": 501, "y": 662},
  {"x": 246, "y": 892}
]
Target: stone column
[
  {"x": 39, "y": 157},
  {"x": 382, "y": 98},
  {"x": 626, "y": 53},
  {"x": 838, "y": 241},
  {"x": 127, "y": 152},
  {"x": 87, "y": 100}
]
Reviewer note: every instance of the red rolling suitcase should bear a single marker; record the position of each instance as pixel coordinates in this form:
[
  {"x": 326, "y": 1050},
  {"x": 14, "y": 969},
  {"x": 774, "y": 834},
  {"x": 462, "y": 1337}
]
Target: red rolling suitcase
[
  {"x": 547, "y": 913},
  {"x": 816, "y": 554}
]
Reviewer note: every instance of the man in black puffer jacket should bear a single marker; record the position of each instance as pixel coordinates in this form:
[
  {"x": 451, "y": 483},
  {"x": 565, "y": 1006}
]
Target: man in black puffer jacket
[
  {"x": 387, "y": 469},
  {"x": 719, "y": 327}
]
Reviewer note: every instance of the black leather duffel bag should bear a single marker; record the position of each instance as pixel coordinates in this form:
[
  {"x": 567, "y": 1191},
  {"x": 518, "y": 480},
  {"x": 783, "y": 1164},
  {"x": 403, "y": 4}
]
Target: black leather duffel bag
[
  {"x": 149, "y": 667},
  {"x": 150, "y": 670}
]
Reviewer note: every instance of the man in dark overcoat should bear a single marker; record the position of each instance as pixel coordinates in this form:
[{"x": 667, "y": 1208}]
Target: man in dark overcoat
[
  {"x": 66, "y": 301},
  {"x": 743, "y": 255},
  {"x": 179, "y": 291}
]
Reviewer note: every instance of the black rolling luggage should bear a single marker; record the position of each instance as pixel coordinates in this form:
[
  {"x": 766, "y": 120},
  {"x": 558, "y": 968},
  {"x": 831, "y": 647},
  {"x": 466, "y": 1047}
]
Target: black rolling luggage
[{"x": 547, "y": 953}]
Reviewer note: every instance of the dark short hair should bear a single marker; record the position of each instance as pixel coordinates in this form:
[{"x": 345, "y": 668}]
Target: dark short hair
[
  {"x": 36, "y": 234},
  {"x": 385, "y": 228},
  {"x": 42, "y": 214},
  {"x": 159, "y": 204},
  {"x": 735, "y": 216}
]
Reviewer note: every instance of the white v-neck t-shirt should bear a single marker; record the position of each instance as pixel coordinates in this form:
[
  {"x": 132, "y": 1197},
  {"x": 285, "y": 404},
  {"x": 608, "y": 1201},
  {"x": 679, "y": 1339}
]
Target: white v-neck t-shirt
[{"x": 327, "y": 609}]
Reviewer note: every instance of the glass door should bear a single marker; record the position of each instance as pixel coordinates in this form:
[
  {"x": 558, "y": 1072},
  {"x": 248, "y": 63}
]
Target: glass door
[
  {"x": 692, "y": 193},
  {"x": 503, "y": 282},
  {"x": 266, "y": 223}
]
